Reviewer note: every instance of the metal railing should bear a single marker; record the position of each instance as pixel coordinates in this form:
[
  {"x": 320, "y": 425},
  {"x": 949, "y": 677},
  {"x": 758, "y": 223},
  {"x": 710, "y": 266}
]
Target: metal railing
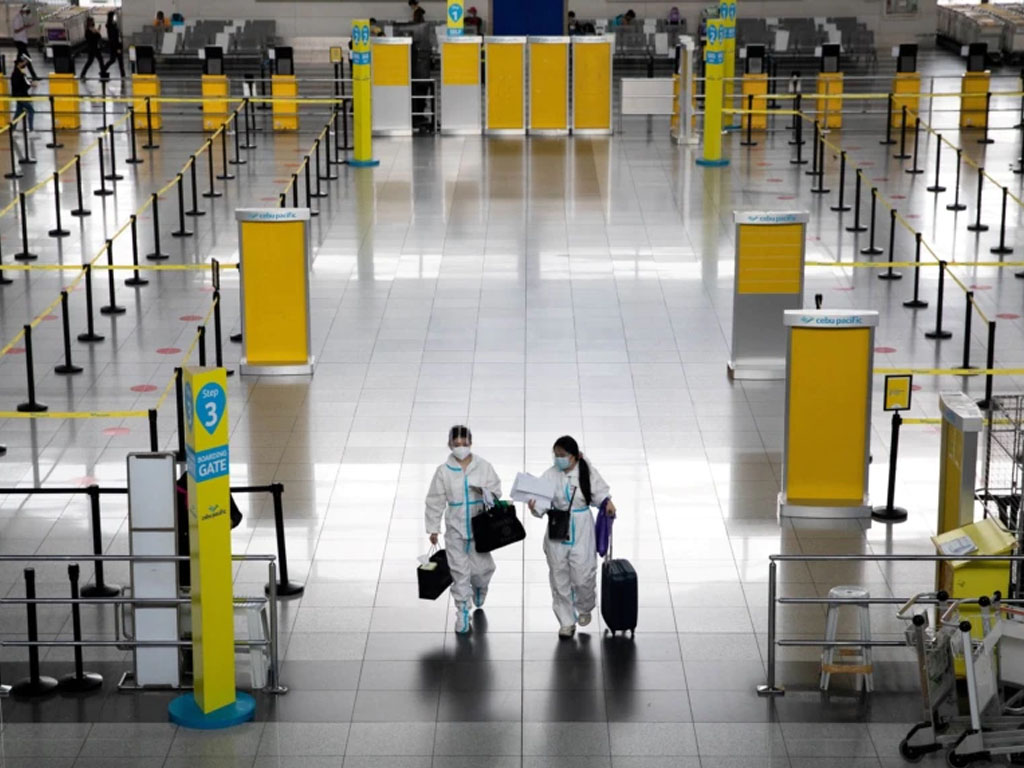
[{"x": 771, "y": 687}]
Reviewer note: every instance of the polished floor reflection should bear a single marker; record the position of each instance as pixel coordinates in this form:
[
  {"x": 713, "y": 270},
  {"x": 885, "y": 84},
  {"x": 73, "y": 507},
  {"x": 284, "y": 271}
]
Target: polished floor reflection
[{"x": 529, "y": 288}]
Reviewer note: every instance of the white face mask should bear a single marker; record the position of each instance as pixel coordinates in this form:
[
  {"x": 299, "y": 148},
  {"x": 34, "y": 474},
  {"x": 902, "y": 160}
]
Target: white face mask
[{"x": 461, "y": 452}]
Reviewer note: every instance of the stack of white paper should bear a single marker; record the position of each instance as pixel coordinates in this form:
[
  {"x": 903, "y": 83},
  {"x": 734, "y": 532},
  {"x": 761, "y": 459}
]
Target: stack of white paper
[{"x": 526, "y": 487}]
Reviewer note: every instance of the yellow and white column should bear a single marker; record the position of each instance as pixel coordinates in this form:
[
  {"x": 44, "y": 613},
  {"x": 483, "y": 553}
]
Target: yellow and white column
[
  {"x": 592, "y": 85},
  {"x": 362, "y": 106},
  {"x": 714, "y": 70},
  {"x": 549, "y": 86},
  {"x": 727, "y": 13},
  {"x": 505, "y": 89}
]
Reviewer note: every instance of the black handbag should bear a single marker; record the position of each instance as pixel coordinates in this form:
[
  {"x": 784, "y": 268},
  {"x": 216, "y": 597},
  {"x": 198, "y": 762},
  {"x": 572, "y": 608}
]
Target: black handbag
[
  {"x": 434, "y": 577},
  {"x": 558, "y": 524},
  {"x": 497, "y": 527}
]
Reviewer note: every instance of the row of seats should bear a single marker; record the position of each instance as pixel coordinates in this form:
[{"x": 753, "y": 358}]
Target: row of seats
[
  {"x": 232, "y": 36},
  {"x": 803, "y": 35}
]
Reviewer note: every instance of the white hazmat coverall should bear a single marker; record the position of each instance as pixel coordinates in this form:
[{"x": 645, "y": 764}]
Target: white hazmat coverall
[
  {"x": 572, "y": 564},
  {"x": 451, "y": 494}
]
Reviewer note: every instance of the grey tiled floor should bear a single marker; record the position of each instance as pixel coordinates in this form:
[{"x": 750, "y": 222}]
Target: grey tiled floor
[{"x": 529, "y": 288}]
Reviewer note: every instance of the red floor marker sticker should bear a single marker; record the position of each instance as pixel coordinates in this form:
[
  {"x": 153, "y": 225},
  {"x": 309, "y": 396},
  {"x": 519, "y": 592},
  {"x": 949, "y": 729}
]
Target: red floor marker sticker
[
  {"x": 765, "y": 165},
  {"x": 774, "y": 181},
  {"x": 1008, "y": 316},
  {"x": 168, "y": 351},
  {"x": 144, "y": 388},
  {"x": 899, "y": 197},
  {"x": 787, "y": 197},
  {"x": 116, "y": 431},
  {"x": 913, "y": 215},
  {"x": 980, "y": 287},
  {"x": 16, "y": 351},
  {"x": 885, "y": 350},
  {"x": 915, "y": 388},
  {"x": 206, "y": 289},
  {"x": 49, "y": 317},
  {"x": 190, "y": 318},
  {"x": 881, "y": 178},
  {"x": 843, "y": 288}
]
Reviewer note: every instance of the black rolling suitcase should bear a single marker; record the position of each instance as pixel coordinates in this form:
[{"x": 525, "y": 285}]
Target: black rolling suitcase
[{"x": 618, "y": 594}]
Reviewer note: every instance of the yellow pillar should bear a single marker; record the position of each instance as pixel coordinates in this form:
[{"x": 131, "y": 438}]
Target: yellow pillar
[
  {"x": 714, "y": 69},
  {"x": 727, "y": 13},
  {"x": 362, "y": 114},
  {"x": 215, "y": 106},
  {"x": 65, "y": 109}
]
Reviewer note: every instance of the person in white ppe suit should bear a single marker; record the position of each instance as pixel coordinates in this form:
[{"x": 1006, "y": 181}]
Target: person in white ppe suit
[
  {"x": 572, "y": 555},
  {"x": 463, "y": 487}
]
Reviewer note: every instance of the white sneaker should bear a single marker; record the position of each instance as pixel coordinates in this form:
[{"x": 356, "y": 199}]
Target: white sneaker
[
  {"x": 567, "y": 631},
  {"x": 479, "y": 597},
  {"x": 463, "y": 623},
  {"x": 584, "y": 619}
]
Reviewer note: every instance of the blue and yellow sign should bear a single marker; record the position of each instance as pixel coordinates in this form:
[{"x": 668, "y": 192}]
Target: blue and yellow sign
[
  {"x": 714, "y": 68},
  {"x": 209, "y": 528},
  {"x": 727, "y": 13},
  {"x": 456, "y": 16},
  {"x": 362, "y": 116}
]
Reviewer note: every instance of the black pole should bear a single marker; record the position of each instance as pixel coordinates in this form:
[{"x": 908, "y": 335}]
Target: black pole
[
  {"x": 195, "y": 211},
  {"x": 799, "y": 143},
  {"x": 347, "y": 107},
  {"x": 337, "y": 135},
  {"x": 956, "y": 205},
  {"x": 212, "y": 191},
  {"x": 179, "y": 400},
  {"x": 154, "y": 440},
  {"x": 202, "y": 346},
  {"x": 31, "y": 405},
  {"x": 936, "y": 187},
  {"x": 149, "y": 127},
  {"x": 890, "y": 513},
  {"x": 67, "y": 367},
  {"x": 889, "y": 140},
  {"x": 815, "y": 136},
  {"x": 157, "y": 254},
  {"x": 872, "y": 249},
  {"x": 984, "y": 131},
  {"x": 100, "y": 588},
  {"x": 112, "y": 308},
  {"x": 990, "y": 364},
  {"x": 857, "y": 226},
  {"x": 90, "y": 334},
  {"x": 282, "y": 200},
  {"x": 79, "y": 681},
  {"x": 329, "y": 173},
  {"x": 316, "y": 154},
  {"x": 916, "y": 302},
  {"x": 218, "y": 337},
  {"x": 24, "y": 254},
  {"x": 309, "y": 191},
  {"x": 14, "y": 173},
  {"x": 246, "y": 109},
  {"x": 81, "y": 209},
  {"x": 134, "y": 158},
  {"x": 238, "y": 159},
  {"x": 841, "y": 206},
  {"x": 59, "y": 230},
  {"x": 1002, "y": 249},
  {"x": 224, "y": 174},
  {"x": 977, "y": 226},
  {"x": 35, "y": 685},
  {"x": 27, "y": 159},
  {"x": 103, "y": 103},
  {"x": 295, "y": 190},
  {"x": 113, "y": 175},
  {"x": 939, "y": 333},
  {"x": 749, "y": 141},
  {"x": 3, "y": 281},
  {"x": 797, "y": 139},
  {"x": 285, "y": 587},
  {"x": 969, "y": 300},
  {"x": 902, "y": 155},
  {"x": 102, "y": 191},
  {"x": 53, "y": 143},
  {"x": 181, "y": 231},
  {"x": 136, "y": 279},
  {"x": 889, "y": 274},
  {"x": 914, "y": 170}
]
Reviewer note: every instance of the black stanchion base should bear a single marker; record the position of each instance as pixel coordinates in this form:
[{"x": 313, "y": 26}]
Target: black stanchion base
[
  {"x": 983, "y": 404},
  {"x": 67, "y": 370},
  {"x": 195, "y": 212},
  {"x": 1001, "y": 250},
  {"x": 51, "y": 145},
  {"x": 27, "y": 161},
  {"x": 81, "y": 212},
  {"x": 225, "y": 177},
  {"x": 935, "y": 189},
  {"x": 212, "y": 194},
  {"x": 151, "y": 146},
  {"x": 3, "y": 450},
  {"x": 938, "y": 335},
  {"x": 318, "y": 194},
  {"x": 229, "y": 372},
  {"x": 801, "y": 161},
  {"x": 888, "y": 142},
  {"x": 239, "y": 161},
  {"x": 289, "y": 589},
  {"x": 796, "y": 143},
  {"x": 915, "y": 304},
  {"x": 237, "y": 337},
  {"x": 986, "y": 141},
  {"x": 890, "y": 276},
  {"x": 314, "y": 212},
  {"x": 902, "y": 156},
  {"x": 742, "y": 144},
  {"x": 24, "y": 256},
  {"x": 89, "y": 681},
  {"x": 12, "y": 175},
  {"x": 112, "y": 309},
  {"x": 1019, "y": 274},
  {"x": 181, "y": 233},
  {"x": 812, "y": 172},
  {"x": 248, "y": 146},
  {"x": 95, "y": 590},
  {"x": 887, "y": 515},
  {"x": 334, "y": 176},
  {"x": 840, "y": 208},
  {"x": 913, "y": 171},
  {"x": 820, "y": 191},
  {"x": 89, "y": 337},
  {"x": 875, "y": 251},
  {"x": 114, "y": 177},
  {"x": 956, "y": 207},
  {"x": 857, "y": 228},
  {"x": 157, "y": 256},
  {"x": 32, "y": 407},
  {"x": 977, "y": 227},
  {"x": 135, "y": 161},
  {"x": 135, "y": 282},
  {"x": 58, "y": 233},
  {"x": 32, "y": 689},
  {"x": 102, "y": 192},
  {"x": 5, "y": 280}
]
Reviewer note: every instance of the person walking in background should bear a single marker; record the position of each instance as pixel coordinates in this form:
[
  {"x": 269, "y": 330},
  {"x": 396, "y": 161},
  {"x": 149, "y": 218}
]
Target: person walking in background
[
  {"x": 20, "y": 28},
  {"x": 114, "y": 46},
  {"x": 21, "y": 88},
  {"x": 422, "y": 86},
  {"x": 92, "y": 46}
]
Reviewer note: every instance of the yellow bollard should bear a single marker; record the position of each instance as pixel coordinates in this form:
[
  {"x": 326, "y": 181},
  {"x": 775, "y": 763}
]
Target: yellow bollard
[
  {"x": 905, "y": 87},
  {"x": 215, "y": 106},
  {"x": 973, "y": 109},
  {"x": 714, "y": 69},
  {"x": 727, "y": 13},
  {"x": 65, "y": 110},
  {"x": 362, "y": 115}
]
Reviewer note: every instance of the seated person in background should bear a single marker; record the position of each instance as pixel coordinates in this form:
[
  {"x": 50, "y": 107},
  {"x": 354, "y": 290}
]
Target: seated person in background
[
  {"x": 624, "y": 19},
  {"x": 573, "y": 25},
  {"x": 674, "y": 16},
  {"x": 474, "y": 24},
  {"x": 375, "y": 29},
  {"x": 414, "y": 5},
  {"x": 161, "y": 21}
]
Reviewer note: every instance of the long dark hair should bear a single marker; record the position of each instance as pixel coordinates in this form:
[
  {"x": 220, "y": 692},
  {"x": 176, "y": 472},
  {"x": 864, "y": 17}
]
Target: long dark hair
[
  {"x": 459, "y": 431},
  {"x": 570, "y": 446}
]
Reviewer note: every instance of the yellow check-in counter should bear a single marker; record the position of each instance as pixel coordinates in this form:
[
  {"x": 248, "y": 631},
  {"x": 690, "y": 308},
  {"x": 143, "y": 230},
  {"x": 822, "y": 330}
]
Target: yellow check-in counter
[
  {"x": 973, "y": 108},
  {"x": 391, "y": 81},
  {"x": 143, "y": 86},
  {"x": 460, "y": 85},
  {"x": 504, "y": 96},
  {"x": 284, "y": 88},
  {"x": 65, "y": 110},
  {"x": 905, "y": 89},
  {"x": 215, "y": 106},
  {"x": 549, "y": 85},
  {"x": 592, "y": 84}
]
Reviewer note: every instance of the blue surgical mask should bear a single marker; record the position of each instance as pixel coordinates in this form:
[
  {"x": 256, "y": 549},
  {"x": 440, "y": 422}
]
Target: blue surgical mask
[{"x": 562, "y": 462}]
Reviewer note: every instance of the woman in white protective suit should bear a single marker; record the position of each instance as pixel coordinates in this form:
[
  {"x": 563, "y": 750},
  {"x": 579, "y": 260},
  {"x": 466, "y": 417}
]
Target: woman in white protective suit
[
  {"x": 462, "y": 488},
  {"x": 572, "y": 553}
]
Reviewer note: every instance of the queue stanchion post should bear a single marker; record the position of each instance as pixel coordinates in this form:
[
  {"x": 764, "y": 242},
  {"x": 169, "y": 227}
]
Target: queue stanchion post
[
  {"x": 133, "y": 158},
  {"x": 103, "y": 103},
  {"x": 237, "y": 159},
  {"x": 53, "y": 143},
  {"x": 938, "y": 333},
  {"x": 25, "y": 254},
  {"x": 319, "y": 193},
  {"x": 181, "y": 231},
  {"x": 857, "y": 227},
  {"x": 814, "y": 150},
  {"x": 888, "y": 141},
  {"x": 4, "y": 280},
  {"x": 872, "y": 249},
  {"x": 58, "y": 230},
  {"x": 14, "y": 173},
  {"x": 31, "y": 405},
  {"x": 27, "y": 159},
  {"x": 890, "y": 513},
  {"x": 67, "y": 368},
  {"x": 282, "y": 199},
  {"x": 99, "y": 587},
  {"x": 968, "y": 302},
  {"x": 224, "y": 174},
  {"x": 977, "y": 226},
  {"x": 212, "y": 191},
  {"x": 136, "y": 280},
  {"x": 985, "y": 138},
  {"x": 1002, "y": 249},
  {"x": 195, "y": 210},
  {"x": 90, "y": 334},
  {"x": 102, "y": 191},
  {"x": 889, "y": 274},
  {"x": 157, "y": 254},
  {"x": 179, "y": 413},
  {"x": 285, "y": 587},
  {"x": 916, "y": 302},
  {"x": 295, "y": 190},
  {"x": 154, "y": 438},
  {"x": 956, "y": 205},
  {"x": 78, "y": 681},
  {"x": 35, "y": 685},
  {"x": 309, "y": 191},
  {"x": 246, "y": 112},
  {"x": 820, "y": 188},
  {"x": 841, "y": 206},
  {"x": 202, "y": 346},
  {"x": 329, "y": 173},
  {"x": 346, "y": 111},
  {"x": 914, "y": 170},
  {"x": 150, "y": 144},
  {"x": 113, "y": 175},
  {"x": 337, "y": 133},
  {"x": 937, "y": 187},
  {"x": 112, "y": 308},
  {"x": 81, "y": 210},
  {"x": 799, "y": 144},
  {"x": 902, "y": 154},
  {"x": 798, "y": 138},
  {"x": 749, "y": 140},
  {"x": 990, "y": 364}
]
